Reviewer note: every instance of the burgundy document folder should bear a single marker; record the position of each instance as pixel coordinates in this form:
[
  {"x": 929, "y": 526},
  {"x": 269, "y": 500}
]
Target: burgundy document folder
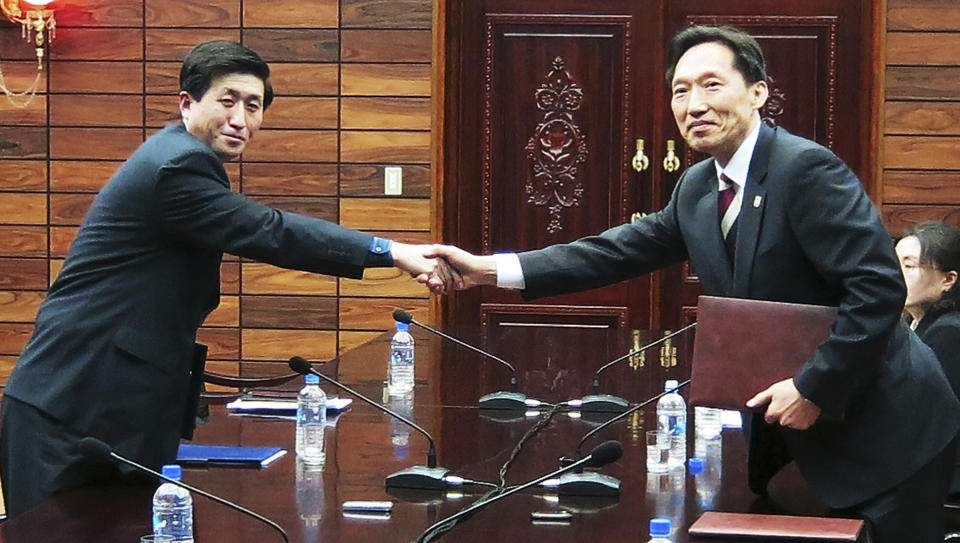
[
  {"x": 777, "y": 527},
  {"x": 744, "y": 346}
]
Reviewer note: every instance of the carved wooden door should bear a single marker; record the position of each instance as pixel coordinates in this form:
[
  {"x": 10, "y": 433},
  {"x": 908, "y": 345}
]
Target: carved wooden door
[
  {"x": 548, "y": 108},
  {"x": 544, "y": 105}
]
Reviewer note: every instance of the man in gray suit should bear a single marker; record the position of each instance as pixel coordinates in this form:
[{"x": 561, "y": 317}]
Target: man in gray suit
[
  {"x": 113, "y": 355},
  {"x": 870, "y": 418}
]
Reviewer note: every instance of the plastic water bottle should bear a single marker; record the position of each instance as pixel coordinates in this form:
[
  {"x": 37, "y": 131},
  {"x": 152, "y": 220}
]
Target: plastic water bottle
[
  {"x": 173, "y": 508},
  {"x": 400, "y": 371},
  {"x": 672, "y": 419},
  {"x": 707, "y": 470},
  {"x": 660, "y": 530},
  {"x": 311, "y": 417},
  {"x": 707, "y": 422}
]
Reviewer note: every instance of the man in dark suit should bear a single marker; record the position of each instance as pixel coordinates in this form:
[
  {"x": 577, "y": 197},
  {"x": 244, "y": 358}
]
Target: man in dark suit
[
  {"x": 113, "y": 353},
  {"x": 772, "y": 216}
]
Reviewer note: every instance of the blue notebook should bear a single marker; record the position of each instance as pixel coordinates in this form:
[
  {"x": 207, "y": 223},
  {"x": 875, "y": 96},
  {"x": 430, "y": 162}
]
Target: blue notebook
[{"x": 228, "y": 455}]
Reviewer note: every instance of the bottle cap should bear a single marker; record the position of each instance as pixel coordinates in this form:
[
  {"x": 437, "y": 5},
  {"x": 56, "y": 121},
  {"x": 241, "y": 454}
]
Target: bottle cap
[
  {"x": 696, "y": 465},
  {"x": 403, "y": 327},
  {"x": 172, "y": 471},
  {"x": 671, "y": 384},
  {"x": 311, "y": 379},
  {"x": 660, "y": 526}
]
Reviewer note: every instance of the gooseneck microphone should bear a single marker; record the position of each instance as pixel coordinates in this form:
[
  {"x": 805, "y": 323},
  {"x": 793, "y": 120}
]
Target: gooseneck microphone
[
  {"x": 495, "y": 400},
  {"x": 580, "y": 483},
  {"x": 428, "y": 477},
  {"x": 607, "y": 403},
  {"x": 98, "y": 451},
  {"x": 603, "y": 454}
]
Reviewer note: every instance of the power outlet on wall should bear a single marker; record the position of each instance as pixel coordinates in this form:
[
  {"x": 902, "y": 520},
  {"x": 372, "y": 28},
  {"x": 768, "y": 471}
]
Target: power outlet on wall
[{"x": 393, "y": 181}]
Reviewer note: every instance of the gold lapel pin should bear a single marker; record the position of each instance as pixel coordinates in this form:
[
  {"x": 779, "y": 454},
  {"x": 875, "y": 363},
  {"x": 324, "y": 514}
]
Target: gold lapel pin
[{"x": 756, "y": 200}]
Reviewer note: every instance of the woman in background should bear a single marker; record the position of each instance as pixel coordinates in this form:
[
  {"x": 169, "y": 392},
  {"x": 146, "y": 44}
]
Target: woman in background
[{"x": 929, "y": 255}]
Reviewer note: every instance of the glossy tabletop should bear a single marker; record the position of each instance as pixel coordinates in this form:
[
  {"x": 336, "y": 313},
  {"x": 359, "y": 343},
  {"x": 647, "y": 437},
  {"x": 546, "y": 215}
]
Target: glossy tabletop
[{"x": 364, "y": 446}]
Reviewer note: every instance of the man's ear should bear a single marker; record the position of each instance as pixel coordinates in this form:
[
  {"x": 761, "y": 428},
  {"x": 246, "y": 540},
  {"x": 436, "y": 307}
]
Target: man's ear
[
  {"x": 759, "y": 93},
  {"x": 185, "y": 102}
]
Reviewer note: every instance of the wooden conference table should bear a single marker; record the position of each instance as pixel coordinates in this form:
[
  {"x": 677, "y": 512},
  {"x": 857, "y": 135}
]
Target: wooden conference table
[{"x": 363, "y": 446}]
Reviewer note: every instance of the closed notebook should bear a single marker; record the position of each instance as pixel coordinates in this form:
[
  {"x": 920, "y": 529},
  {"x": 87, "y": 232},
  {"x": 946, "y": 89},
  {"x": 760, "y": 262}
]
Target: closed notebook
[
  {"x": 749, "y": 526},
  {"x": 744, "y": 346},
  {"x": 228, "y": 455}
]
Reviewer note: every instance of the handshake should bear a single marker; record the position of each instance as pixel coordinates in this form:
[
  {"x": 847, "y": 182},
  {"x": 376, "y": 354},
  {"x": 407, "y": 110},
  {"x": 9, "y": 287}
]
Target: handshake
[{"x": 444, "y": 268}]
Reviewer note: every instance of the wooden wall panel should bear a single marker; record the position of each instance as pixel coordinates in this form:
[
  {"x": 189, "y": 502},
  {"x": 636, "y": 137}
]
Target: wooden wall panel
[
  {"x": 385, "y": 79},
  {"x": 926, "y": 15},
  {"x": 33, "y": 114},
  {"x": 277, "y": 178},
  {"x": 386, "y": 46},
  {"x": 367, "y": 180},
  {"x": 921, "y": 141},
  {"x": 385, "y": 113},
  {"x": 385, "y": 214},
  {"x": 23, "y": 273},
  {"x": 259, "y": 278},
  {"x": 191, "y": 13},
  {"x": 377, "y": 313},
  {"x": 23, "y": 208},
  {"x": 23, "y": 175},
  {"x": 291, "y": 13},
  {"x": 76, "y": 176},
  {"x": 385, "y": 147},
  {"x": 113, "y": 77},
  {"x": 96, "y": 77},
  {"x": 386, "y": 14},
  {"x": 306, "y": 312},
  {"x": 265, "y": 344}
]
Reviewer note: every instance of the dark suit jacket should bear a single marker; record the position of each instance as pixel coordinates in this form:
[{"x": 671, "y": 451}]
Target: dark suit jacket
[
  {"x": 113, "y": 347},
  {"x": 941, "y": 332},
  {"x": 807, "y": 233}
]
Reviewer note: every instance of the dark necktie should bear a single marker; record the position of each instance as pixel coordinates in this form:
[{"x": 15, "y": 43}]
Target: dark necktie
[{"x": 724, "y": 199}]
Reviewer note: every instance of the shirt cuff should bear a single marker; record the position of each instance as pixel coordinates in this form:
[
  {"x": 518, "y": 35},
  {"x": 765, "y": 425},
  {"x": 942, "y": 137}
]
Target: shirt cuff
[
  {"x": 379, "y": 254},
  {"x": 509, "y": 271}
]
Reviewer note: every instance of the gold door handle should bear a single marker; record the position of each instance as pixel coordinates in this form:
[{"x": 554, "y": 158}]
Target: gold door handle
[
  {"x": 671, "y": 162},
  {"x": 640, "y": 161}
]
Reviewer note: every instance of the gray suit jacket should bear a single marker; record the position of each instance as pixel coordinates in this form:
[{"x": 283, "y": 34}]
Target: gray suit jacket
[
  {"x": 807, "y": 233},
  {"x": 113, "y": 348}
]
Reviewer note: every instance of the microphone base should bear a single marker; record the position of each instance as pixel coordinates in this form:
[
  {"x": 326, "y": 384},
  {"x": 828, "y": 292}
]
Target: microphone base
[
  {"x": 514, "y": 401},
  {"x": 589, "y": 483},
  {"x": 604, "y": 403},
  {"x": 420, "y": 477}
]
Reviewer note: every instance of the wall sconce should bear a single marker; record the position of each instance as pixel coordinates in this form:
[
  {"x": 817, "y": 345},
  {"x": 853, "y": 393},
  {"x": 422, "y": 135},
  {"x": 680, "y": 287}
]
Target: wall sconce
[{"x": 35, "y": 20}]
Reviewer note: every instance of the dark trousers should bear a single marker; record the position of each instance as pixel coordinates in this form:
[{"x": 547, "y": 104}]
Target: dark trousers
[
  {"x": 913, "y": 510},
  {"x": 39, "y": 457}
]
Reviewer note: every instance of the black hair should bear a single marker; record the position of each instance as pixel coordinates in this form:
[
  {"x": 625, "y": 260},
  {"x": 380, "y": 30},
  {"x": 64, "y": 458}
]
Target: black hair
[
  {"x": 939, "y": 249},
  {"x": 210, "y": 60},
  {"x": 748, "y": 57}
]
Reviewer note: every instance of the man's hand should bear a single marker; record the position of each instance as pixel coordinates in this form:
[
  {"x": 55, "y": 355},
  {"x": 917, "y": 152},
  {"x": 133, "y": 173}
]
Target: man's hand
[
  {"x": 422, "y": 265},
  {"x": 787, "y": 407},
  {"x": 469, "y": 270}
]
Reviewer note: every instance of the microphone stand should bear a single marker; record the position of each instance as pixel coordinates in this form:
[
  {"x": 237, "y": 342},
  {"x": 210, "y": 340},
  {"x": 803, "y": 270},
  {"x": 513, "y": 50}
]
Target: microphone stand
[
  {"x": 582, "y": 483},
  {"x": 426, "y": 535},
  {"x": 100, "y": 448},
  {"x": 608, "y": 403},
  {"x": 507, "y": 400},
  {"x": 429, "y": 477}
]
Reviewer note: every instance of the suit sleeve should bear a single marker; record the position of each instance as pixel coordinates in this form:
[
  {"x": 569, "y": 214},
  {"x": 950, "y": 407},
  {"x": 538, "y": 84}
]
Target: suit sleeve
[
  {"x": 840, "y": 232},
  {"x": 943, "y": 338},
  {"x": 619, "y": 253},
  {"x": 196, "y": 205}
]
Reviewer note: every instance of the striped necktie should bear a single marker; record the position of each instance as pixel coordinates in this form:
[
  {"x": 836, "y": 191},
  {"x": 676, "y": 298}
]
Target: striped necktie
[{"x": 725, "y": 197}]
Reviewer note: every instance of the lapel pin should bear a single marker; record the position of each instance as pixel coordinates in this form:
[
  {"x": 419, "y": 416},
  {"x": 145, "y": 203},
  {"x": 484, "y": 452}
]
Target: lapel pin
[{"x": 756, "y": 200}]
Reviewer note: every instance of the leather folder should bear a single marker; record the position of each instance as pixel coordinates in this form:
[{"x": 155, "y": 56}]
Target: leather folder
[
  {"x": 714, "y": 525},
  {"x": 744, "y": 346}
]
